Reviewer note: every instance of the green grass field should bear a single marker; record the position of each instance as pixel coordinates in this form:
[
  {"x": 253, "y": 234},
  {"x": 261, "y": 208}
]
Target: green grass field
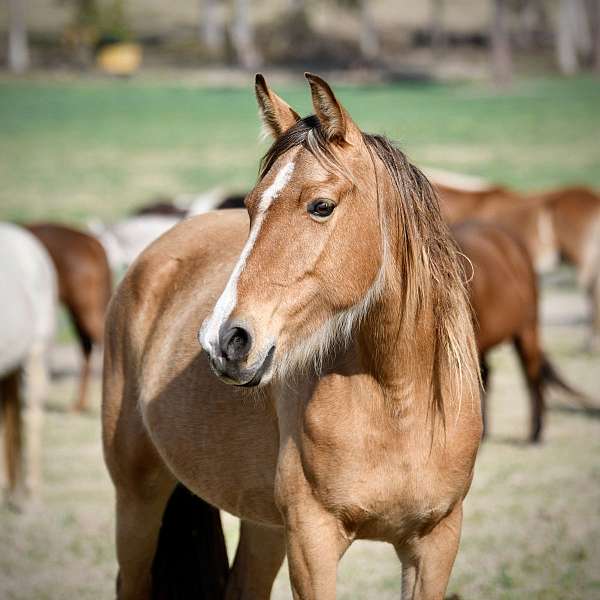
[{"x": 71, "y": 150}]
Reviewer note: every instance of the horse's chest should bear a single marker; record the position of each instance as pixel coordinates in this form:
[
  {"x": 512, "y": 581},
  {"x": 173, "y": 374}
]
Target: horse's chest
[{"x": 378, "y": 485}]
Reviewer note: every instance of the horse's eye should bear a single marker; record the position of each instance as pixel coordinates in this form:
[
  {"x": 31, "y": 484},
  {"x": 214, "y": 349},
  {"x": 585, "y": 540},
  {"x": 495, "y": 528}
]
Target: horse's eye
[{"x": 321, "y": 209}]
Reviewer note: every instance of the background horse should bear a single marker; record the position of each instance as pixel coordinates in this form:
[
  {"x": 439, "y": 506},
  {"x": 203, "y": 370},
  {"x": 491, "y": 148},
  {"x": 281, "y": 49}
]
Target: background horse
[
  {"x": 345, "y": 314},
  {"x": 504, "y": 296},
  {"x": 576, "y": 219},
  {"x": 527, "y": 218},
  {"x": 84, "y": 285},
  {"x": 184, "y": 207},
  {"x": 124, "y": 240},
  {"x": 27, "y": 321}
]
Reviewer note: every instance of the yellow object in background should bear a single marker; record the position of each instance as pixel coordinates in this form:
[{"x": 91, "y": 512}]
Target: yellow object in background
[{"x": 120, "y": 58}]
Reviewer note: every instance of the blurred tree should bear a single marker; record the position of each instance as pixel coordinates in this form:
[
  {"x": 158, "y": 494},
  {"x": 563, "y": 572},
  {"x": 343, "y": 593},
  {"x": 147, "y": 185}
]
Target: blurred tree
[
  {"x": 242, "y": 36},
  {"x": 501, "y": 47},
  {"x": 18, "y": 47},
  {"x": 212, "y": 33},
  {"x": 572, "y": 36},
  {"x": 369, "y": 40},
  {"x": 594, "y": 12},
  {"x": 438, "y": 34}
]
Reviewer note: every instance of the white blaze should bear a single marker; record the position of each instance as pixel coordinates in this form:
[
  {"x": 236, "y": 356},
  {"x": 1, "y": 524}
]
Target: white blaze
[{"x": 209, "y": 332}]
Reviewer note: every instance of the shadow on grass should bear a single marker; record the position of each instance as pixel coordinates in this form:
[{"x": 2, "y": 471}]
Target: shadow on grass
[
  {"x": 504, "y": 440},
  {"x": 60, "y": 408},
  {"x": 586, "y": 411}
]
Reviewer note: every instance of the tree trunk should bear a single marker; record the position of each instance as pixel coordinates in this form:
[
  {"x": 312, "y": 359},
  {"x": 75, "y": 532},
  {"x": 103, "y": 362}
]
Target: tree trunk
[
  {"x": 594, "y": 12},
  {"x": 369, "y": 41},
  {"x": 438, "y": 36},
  {"x": 18, "y": 49},
  {"x": 211, "y": 26},
  {"x": 501, "y": 50},
  {"x": 242, "y": 35},
  {"x": 573, "y": 35}
]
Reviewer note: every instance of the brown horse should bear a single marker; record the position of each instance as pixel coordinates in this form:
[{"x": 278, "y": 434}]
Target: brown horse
[
  {"x": 576, "y": 218},
  {"x": 504, "y": 297},
  {"x": 84, "y": 283},
  {"x": 527, "y": 218},
  {"x": 337, "y": 396}
]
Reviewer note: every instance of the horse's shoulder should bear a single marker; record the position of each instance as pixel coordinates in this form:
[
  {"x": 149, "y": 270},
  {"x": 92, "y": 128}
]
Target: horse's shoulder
[{"x": 193, "y": 259}]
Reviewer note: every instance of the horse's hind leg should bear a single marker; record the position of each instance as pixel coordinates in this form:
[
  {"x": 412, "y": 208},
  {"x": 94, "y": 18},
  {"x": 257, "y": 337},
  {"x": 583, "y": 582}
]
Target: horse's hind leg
[
  {"x": 485, "y": 378},
  {"x": 10, "y": 402},
  {"x": 34, "y": 396},
  {"x": 531, "y": 358},
  {"x": 593, "y": 343},
  {"x": 258, "y": 558},
  {"x": 85, "y": 342},
  {"x": 141, "y": 479},
  {"x": 139, "y": 516}
]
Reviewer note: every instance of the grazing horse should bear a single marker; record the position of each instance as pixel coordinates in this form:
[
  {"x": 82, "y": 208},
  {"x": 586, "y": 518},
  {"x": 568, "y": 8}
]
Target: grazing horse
[
  {"x": 504, "y": 296},
  {"x": 161, "y": 206},
  {"x": 576, "y": 218},
  {"x": 196, "y": 205},
  {"x": 527, "y": 218},
  {"x": 27, "y": 322},
  {"x": 337, "y": 396},
  {"x": 84, "y": 287}
]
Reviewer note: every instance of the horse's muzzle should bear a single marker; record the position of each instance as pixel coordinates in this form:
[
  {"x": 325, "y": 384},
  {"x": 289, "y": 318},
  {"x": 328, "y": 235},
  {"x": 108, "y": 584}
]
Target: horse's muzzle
[{"x": 230, "y": 352}]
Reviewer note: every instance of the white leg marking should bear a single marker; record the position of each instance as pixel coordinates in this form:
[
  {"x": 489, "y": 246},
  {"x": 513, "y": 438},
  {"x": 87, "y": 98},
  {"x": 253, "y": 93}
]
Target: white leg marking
[{"x": 209, "y": 332}]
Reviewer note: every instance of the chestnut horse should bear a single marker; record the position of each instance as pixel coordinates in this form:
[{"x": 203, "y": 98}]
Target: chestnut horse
[
  {"x": 576, "y": 218},
  {"x": 504, "y": 296},
  {"x": 84, "y": 284},
  {"x": 527, "y": 218},
  {"x": 337, "y": 396}
]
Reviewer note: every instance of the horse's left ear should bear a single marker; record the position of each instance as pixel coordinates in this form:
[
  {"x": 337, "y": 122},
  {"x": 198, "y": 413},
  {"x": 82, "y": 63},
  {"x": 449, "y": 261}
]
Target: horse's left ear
[
  {"x": 276, "y": 114},
  {"x": 335, "y": 121}
]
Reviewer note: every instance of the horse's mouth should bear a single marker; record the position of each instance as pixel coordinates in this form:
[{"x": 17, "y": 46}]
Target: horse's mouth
[{"x": 249, "y": 377}]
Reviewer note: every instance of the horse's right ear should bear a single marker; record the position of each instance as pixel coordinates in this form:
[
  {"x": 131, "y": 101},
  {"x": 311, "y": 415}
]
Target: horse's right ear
[{"x": 276, "y": 114}]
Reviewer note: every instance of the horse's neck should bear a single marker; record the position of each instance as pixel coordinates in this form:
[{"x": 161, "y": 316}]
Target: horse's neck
[{"x": 398, "y": 350}]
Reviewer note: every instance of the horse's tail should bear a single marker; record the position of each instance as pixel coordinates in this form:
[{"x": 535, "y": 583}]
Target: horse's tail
[
  {"x": 191, "y": 557},
  {"x": 10, "y": 402},
  {"x": 550, "y": 376}
]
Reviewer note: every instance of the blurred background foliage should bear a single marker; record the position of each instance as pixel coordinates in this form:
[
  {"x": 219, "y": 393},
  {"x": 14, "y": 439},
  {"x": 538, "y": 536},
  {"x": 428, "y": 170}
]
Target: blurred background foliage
[{"x": 399, "y": 39}]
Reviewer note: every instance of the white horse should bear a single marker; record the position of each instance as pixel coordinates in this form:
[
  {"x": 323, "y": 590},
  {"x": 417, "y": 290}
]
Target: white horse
[
  {"x": 124, "y": 240},
  {"x": 28, "y": 301}
]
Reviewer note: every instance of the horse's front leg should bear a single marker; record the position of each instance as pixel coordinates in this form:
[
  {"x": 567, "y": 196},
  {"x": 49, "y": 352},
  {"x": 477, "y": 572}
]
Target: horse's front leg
[
  {"x": 427, "y": 561},
  {"x": 315, "y": 544},
  {"x": 315, "y": 540}
]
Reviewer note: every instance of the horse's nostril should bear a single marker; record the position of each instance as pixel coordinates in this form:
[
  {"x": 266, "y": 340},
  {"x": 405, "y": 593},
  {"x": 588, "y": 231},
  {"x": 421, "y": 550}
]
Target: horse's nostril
[{"x": 235, "y": 343}]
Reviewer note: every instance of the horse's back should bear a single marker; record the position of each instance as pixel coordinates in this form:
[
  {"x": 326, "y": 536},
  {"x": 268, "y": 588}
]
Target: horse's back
[
  {"x": 211, "y": 435},
  {"x": 84, "y": 276},
  {"x": 28, "y": 298},
  {"x": 503, "y": 288}
]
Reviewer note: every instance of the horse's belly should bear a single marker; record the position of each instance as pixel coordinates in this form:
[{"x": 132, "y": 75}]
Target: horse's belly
[{"x": 220, "y": 442}]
